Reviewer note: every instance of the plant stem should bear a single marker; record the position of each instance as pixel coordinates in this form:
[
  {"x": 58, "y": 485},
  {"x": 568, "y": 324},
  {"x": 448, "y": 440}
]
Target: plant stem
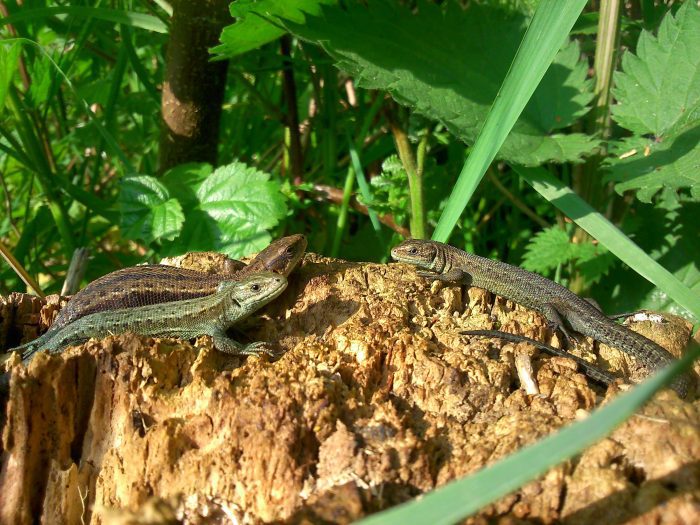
[
  {"x": 328, "y": 119},
  {"x": 364, "y": 187},
  {"x": 415, "y": 180},
  {"x": 587, "y": 182},
  {"x": 604, "y": 64},
  {"x": 289, "y": 88},
  {"x": 19, "y": 270}
]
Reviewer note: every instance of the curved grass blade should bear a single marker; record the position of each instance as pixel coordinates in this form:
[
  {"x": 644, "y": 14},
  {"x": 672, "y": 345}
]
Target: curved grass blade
[
  {"x": 129, "y": 18},
  {"x": 546, "y": 33},
  {"x": 364, "y": 188}
]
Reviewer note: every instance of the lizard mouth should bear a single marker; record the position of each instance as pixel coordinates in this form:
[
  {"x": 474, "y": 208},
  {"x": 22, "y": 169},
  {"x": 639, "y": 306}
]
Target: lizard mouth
[{"x": 398, "y": 258}]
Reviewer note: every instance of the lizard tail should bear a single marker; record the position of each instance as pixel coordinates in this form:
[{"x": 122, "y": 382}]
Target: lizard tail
[
  {"x": 29, "y": 349},
  {"x": 589, "y": 369}
]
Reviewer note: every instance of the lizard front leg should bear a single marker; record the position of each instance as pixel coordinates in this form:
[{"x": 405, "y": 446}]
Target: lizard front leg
[
  {"x": 227, "y": 345},
  {"x": 455, "y": 275}
]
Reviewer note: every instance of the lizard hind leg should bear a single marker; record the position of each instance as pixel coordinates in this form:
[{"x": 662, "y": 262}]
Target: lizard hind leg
[{"x": 614, "y": 317}]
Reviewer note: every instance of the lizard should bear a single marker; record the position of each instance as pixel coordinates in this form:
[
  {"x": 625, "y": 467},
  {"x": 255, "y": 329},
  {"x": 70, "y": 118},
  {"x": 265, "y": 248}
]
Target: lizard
[
  {"x": 157, "y": 283},
  {"x": 211, "y": 315},
  {"x": 558, "y": 304}
]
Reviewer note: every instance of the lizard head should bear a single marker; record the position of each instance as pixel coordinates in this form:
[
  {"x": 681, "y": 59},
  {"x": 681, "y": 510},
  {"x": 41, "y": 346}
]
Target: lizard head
[
  {"x": 282, "y": 256},
  {"x": 258, "y": 289},
  {"x": 417, "y": 252}
]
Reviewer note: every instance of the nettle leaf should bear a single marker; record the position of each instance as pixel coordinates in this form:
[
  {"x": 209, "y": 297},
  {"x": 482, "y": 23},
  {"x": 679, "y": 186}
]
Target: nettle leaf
[
  {"x": 42, "y": 73},
  {"x": 255, "y": 25},
  {"x": 389, "y": 190},
  {"x": 658, "y": 100},
  {"x": 647, "y": 167},
  {"x": 547, "y": 250},
  {"x": 454, "y": 75},
  {"x": 552, "y": 247},
  {"x": 148, "y": 211},
  {"x": 594, "y": 261},
  {"x": 237, "y": 204},
  {"x": 229, "y": 209}
]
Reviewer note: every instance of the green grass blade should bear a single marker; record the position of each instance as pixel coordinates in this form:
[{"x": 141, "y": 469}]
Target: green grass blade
[
  {"x": 364, "y": 188},
  {"x": 548, "y": 29},
  {"x": 609, "y": 236},
  {"x": 129, "y": 18},
  {"x": 108, "y": 138},
  {"x": 137, "y": 65},
  {"x": 465, "y": 497},
  {"x": 343, "y": 212}
]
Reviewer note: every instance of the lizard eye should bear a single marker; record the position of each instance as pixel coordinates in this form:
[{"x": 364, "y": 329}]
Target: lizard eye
[
  {"x": 289, "y": 251},
  {"x": 413, "y": 250},
  {"x": 255, "y": 287}
]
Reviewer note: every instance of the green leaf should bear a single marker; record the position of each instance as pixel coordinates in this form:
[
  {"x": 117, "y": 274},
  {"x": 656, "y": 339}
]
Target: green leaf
[
  {"x": 236, "y": 206},
  {"x": 9, "y": 56},
  {"x": 658, "y": 94},
  {"x": 547, "y": 250},
  {"x": 454, "y": 75},
  {"x": 183, "y": 181},
  {"x": 455, "y": 501},
  {"x": 148, "y": 212},
  {"x": 669, "y": 236},
  {"x": 255, "y": 23},
  {"x": 594, "y": 261},
  {"x": 647, "y": 166}
]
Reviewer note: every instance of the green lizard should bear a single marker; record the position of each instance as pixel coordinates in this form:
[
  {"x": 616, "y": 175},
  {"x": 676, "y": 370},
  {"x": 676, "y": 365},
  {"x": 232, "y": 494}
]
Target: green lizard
[
  {"x": 558, "y": 304},
  {"x": 209, "y": 315},
  {"x": 156, "y": 283}
]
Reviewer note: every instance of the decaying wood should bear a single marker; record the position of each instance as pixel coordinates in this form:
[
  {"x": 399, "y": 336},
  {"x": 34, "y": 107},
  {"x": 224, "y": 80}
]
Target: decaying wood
[{"x": 376, "y": 399}]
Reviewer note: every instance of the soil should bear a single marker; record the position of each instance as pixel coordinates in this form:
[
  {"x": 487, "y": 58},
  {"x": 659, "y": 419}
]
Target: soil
[{"x": 376, "y": 399}]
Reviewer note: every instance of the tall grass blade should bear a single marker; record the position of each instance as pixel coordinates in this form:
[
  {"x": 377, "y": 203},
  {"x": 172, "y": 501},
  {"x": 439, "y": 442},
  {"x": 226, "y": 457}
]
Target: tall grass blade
[{"x": 548, "y": 29}]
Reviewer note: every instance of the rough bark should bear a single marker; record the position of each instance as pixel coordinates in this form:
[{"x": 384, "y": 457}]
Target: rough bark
[
  {"x": 193, "y": 90},
  {"x": 376, "y": 399}
]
